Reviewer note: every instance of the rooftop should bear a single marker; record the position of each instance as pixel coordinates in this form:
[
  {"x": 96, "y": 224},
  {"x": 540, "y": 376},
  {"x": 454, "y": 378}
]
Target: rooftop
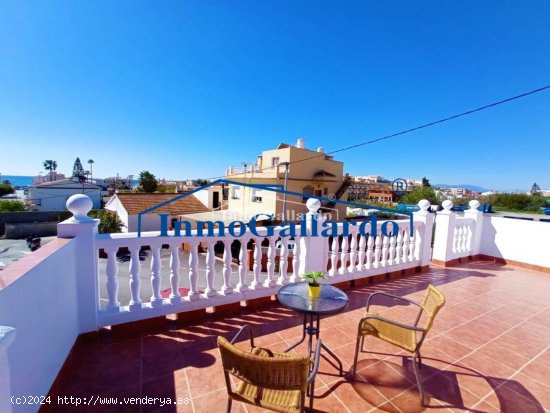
[
  {"x": 489, "y": 351},
  {"x": 134, "y": 203}
]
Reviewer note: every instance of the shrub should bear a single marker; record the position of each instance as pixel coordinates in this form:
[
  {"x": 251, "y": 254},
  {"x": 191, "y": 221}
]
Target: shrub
[
  {"x": 109, "y": 221},
  {"x": 12, "y": 206}
]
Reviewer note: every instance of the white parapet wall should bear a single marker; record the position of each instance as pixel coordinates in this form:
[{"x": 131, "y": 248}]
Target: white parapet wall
[
  {"x": 38, "y": 301},
  {"x": 516, "y": 240}
]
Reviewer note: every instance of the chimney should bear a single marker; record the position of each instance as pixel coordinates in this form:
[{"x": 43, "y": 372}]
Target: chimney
[
  {"x": 301, "y": 143},
  {"x": 320, "y": 149}
]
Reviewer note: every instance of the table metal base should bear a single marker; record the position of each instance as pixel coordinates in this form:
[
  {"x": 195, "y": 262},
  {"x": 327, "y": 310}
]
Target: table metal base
[{"x": 313, "y": 330}]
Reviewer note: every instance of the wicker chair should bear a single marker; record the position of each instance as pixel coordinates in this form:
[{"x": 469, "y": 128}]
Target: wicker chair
[
  {"x": 407, "y": 337},
  {"x": 271, "y": 380}
]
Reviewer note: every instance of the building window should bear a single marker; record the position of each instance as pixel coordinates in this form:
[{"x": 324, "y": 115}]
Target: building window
[
  {"x": 256, "y": 195},
  {"x": 275, "y": 161},
  {"x": 307, "y": 190},
  {"x": 236, "y": 192}
]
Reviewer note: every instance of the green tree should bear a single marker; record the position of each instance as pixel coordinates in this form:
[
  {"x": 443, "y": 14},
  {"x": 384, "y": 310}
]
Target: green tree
[
  {"x": 516, "y": 202},
  {"x": 200, "y": 182},
  {"x": 417, "y": 194},
  {"x": 535, "y": 189},
  {"x": 51, "y": 166},
  {"x": 166, "y": 188},
  {"x": 6, "y": 188},
  {"x": 78, "y": 171},
  {"x": 109, "y": 221},
  {"x": 91, "y": 162},
  {"x": 12, "y": 206},
  {"x": 147, "y": 182}
]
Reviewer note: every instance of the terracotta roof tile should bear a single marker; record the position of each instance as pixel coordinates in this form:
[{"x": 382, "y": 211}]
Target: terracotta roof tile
[{"x": 137, "y": 202}]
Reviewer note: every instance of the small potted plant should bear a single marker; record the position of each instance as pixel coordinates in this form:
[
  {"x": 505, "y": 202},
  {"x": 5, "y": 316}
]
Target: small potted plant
[{"x": 314, "y": 288}]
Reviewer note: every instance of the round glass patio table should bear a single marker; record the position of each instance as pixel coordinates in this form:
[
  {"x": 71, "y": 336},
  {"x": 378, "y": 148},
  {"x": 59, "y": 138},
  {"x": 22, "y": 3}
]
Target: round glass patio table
[{"x": 331, "y": 300}]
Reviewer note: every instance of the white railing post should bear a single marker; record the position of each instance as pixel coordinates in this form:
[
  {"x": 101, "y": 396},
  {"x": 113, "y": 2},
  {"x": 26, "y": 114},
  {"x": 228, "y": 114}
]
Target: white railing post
[
  {"x": 7, "y": 335},
  {"x": 84, "y": 230},
  {"x": 444, "y": 233},
  {"x": 477, "y": 230},
  {"x": 423, "y": 249},
  {"x": 313, "y": 249}
]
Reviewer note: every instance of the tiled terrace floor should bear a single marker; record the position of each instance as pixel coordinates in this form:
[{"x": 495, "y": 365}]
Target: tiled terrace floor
[{"x": 488, "y": 351}]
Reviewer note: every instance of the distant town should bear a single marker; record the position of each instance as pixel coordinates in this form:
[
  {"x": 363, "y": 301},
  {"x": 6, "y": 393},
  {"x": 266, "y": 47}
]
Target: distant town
[{"x": 307, "y": 171}]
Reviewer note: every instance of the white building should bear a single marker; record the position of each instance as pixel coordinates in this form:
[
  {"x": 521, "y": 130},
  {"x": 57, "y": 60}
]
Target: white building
[
  {"x": 129, "y": 205},
  {"x": 52, "y": 196}
]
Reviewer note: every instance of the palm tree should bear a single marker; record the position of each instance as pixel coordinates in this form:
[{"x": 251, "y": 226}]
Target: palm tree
[
  {"x": 91, "y": 162},
  {"x": 50, "y": 165}
]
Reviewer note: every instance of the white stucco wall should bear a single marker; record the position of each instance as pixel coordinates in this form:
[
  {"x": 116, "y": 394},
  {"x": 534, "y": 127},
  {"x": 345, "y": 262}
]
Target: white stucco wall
[
  {"x": 54, "y": 199},
  {"x": 149, "y": 222},
  {"x": 516, "y": 239},
  {"x": 42, "y": 306},
  {"x": 205, "y": 196}
]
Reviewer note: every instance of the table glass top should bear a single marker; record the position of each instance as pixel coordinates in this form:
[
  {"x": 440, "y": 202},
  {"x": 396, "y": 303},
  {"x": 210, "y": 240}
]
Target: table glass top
[{"x": 295, "y": 296}]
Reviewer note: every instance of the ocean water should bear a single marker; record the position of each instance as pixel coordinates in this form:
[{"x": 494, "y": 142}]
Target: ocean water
[{"x": 17, "y": 180}]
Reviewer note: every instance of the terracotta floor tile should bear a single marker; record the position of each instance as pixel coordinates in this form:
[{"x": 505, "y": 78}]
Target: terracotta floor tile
[
  {"x": 197, "y": 375},
  {"x": 538, "y": 372},
  {"x": 508, "y": 397},
  {"x": 518, "y": 346},
  {"x": 476, "y": 345},
  {"x": 503, "y": 355},
  {"x": 487, "y": 365},
  {"x": 533, "y": 389},
  {"x": 357, "y": 396},
  {"x": 447, "y": 345},
  {"x": 216, "y": 401}
]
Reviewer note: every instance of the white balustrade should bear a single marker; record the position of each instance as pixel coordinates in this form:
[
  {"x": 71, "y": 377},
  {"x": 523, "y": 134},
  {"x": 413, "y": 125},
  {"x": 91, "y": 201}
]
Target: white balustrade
[{"x": 212, "y": 278}]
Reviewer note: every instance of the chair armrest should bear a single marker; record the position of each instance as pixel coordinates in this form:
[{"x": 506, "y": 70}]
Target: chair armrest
[
  {"x": 387, "y": 320},
  {"x": 313, "y": 373},
  {"x": 245, "y": 327},
  {"x": 392, "y": 296}
]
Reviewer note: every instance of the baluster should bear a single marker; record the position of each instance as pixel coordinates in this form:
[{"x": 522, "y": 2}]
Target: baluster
[
  {"x": 377, "y": 251},
  {"x": 353, "y": 253},
  {"x": 455, "y": 238},
  {"x": 369, "y": 251},
  {"x": 406, "y": 240},
  {"x": 399, "y": 248},
  {"x": 295, "y": 261},
  {"x": 392, "y": 252},
  {"x": 269, "y": 281},
  {"x": 417, "y": 243},
  {"x": 175, "y": 296},
  {"x": 334, "y": 256},
  {"x": 344, "y": 255},
  {"x": 257, "y": 263},
  {"x": 156, "y": 298},
  {"x": 112, "y": 279},
  {"x": 362, "y": 253},
  {"x": 243, "y": 258},
  {"x": 193, "y": 293},
  {"x": 210, "y": 291},
  {"x": 283, "y": 261},
  {"x": 385, "y": 248},
  {"x": 135, "y": 280},
  {"x": 469, "y": 239},
  {"x": 226, "y": 288}
]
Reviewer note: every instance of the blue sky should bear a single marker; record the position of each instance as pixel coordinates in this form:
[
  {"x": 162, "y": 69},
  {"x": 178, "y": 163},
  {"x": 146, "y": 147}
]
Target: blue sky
[{"x": 186, "y": 88}]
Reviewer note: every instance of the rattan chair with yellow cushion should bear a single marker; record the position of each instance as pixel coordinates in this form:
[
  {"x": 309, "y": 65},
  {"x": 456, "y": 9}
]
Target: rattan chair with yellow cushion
[
  {"x": 268, "y": 379},
  {"x": 408, "y": 337}
]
